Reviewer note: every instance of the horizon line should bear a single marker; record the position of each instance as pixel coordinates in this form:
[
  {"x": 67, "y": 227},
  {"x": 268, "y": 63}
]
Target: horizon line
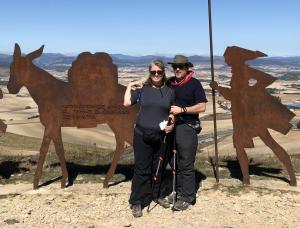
[{"x": 143, "y": 55}]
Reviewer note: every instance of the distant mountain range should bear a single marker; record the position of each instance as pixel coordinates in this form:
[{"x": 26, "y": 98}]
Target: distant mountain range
[
  {"x": 277, "y": 61},
  {"x": 60, "y": 62}
]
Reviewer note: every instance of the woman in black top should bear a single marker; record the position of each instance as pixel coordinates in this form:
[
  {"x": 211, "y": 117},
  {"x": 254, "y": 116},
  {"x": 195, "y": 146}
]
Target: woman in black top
[{"x": 155, "y": 100}]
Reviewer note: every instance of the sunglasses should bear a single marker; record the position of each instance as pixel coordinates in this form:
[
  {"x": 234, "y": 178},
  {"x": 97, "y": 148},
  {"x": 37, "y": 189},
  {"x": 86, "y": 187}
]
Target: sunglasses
[
  {"x": 178, "y": 66},
  {"x": 156, "y": 72}
]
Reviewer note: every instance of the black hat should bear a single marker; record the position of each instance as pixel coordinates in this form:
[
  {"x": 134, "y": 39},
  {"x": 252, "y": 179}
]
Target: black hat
[{"x": 181, "y": 60}]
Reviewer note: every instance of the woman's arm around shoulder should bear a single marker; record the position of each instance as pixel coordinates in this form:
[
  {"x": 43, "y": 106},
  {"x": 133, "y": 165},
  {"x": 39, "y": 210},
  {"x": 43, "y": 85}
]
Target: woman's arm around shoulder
[{"x": 127, "y": 96}]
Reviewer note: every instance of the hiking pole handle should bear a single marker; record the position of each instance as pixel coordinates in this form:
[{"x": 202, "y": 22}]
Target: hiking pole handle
[
  {"x": 168, "y": 124},
  {"x": 169, "y": 121}
]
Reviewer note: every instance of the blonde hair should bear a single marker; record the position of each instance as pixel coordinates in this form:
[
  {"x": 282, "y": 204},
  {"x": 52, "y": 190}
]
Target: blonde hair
[{"x": 161, "y": 65}]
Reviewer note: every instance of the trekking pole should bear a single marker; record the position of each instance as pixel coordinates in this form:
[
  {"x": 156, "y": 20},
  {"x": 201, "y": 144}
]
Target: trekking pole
[
  {"x": 160, "y": 161},
  {"x": 174, "y": 170},
  {"x": 174, "y": 176}
]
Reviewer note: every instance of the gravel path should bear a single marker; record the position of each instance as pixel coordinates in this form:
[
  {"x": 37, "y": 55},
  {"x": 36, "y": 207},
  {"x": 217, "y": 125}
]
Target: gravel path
[{"x": 266, "y": 203}]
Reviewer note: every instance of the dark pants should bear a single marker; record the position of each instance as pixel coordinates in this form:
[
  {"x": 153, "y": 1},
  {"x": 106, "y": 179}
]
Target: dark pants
[
  {"x": 145, "y": 163},
  {"x": 186, "y": 144}
]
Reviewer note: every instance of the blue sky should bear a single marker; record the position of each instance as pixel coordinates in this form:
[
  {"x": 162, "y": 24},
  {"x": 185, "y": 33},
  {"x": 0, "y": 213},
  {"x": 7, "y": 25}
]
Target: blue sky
[{"x": 139, "y": 27}]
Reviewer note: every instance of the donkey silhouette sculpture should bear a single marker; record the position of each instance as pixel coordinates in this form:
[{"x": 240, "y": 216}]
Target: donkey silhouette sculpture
[
  {"x": 91, "y": 96},
  {"x": 253, "y": 109}
]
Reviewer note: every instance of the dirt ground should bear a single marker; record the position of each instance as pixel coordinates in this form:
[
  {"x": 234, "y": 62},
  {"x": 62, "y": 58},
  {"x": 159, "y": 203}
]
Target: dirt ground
[{"x": 266, "y": 203}]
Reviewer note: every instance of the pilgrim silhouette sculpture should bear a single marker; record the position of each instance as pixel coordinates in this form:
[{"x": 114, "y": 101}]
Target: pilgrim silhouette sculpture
[
  {"x": 254, "y": 110},
  {"x": 91, "y": 96}
]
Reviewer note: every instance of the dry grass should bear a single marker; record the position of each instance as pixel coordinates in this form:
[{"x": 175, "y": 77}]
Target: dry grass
[{"x": 90, "y": 164}]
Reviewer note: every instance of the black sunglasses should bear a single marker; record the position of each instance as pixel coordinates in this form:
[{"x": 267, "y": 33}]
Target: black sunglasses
[
  {"x": 178, "y": 66},
  {"x": 158, "y": 72}
]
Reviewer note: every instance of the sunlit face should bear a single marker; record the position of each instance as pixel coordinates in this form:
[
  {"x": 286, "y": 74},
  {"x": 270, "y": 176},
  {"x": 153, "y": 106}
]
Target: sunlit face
[
  {"x": 156, "y": 74},
  {"x": 180, "y": 71}
]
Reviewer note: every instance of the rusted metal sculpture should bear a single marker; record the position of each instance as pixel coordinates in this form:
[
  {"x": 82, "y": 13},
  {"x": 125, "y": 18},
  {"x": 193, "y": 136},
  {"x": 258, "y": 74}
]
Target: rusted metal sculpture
[
  {"x": 254, "y": 110},
  {"x": 3, "y": 126},
  {"x": 91, "y": 96}
]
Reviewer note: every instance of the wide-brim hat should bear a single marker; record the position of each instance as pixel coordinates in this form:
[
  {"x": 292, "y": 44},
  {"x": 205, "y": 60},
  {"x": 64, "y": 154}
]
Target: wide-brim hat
[{"x": 181, "y": 60}]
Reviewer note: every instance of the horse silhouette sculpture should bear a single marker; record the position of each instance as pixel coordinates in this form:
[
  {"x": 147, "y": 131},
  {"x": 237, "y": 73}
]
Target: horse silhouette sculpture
[
  {"x": 91, "y": 96},
  {"x": 253, "y": 109}
]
